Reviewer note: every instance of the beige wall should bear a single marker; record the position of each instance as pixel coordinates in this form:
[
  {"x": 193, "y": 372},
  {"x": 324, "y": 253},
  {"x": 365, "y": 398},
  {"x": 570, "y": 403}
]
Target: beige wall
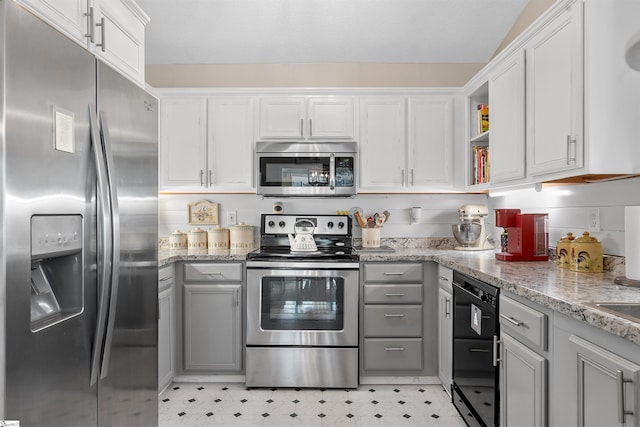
[{"x": 309, "y": 75}]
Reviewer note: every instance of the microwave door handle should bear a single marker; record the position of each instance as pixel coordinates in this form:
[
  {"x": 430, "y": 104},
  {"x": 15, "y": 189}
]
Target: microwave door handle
[{"x": 332, "y": 171}]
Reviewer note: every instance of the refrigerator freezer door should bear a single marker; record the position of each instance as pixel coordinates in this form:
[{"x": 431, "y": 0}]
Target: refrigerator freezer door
[
  {"x": 49, "y": 81},
  {"x": 128, "y": 390}
]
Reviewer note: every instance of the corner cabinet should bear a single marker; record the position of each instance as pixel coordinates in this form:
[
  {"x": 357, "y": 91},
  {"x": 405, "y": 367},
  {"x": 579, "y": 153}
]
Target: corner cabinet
[
  {"x": 206, "y": 144},
  {"x": 112, "y": 30},
  {"x": 166, "y": 327},
  {"x": 212, "y": 317},
  {"x": 314, "y": 117}
]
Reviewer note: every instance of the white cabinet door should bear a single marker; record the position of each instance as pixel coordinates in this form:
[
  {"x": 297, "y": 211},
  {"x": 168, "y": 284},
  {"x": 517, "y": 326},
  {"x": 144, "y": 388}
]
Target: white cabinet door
[
  {"x": 166, "y": 336},
  {"x": 183, "y": 143},
  {"x": 331, "y": 118},
  {"x": 212, "y": 327},
  {"x": 507, "y": 112},
  {"x": 523, "y": 385},
  {"x": 230, "y": 165},
  {"x": 119, "y": 36},
  {"x": 554, "y": 95},
  {"x": 282, "y": 117},
  {"x": 430, "y": 142},
  {"x": 383, "y": 147},
  {"x": 66, "y": 15},
  {"x": 445, "y": 338}
]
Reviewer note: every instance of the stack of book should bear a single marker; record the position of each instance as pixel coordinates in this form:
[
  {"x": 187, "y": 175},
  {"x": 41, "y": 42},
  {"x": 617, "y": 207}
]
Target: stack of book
[{"x": 480, "y": 164}]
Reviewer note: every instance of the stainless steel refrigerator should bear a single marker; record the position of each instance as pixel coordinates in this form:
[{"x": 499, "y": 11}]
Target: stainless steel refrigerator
[{"x": 78, "y": 218}]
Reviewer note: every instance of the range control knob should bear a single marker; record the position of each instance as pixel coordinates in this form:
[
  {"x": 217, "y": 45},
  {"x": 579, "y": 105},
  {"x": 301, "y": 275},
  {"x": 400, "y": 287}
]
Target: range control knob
[
  {"x": 330, "y": 224},
  {"x": 271, "y": 224},
  {"x": 341, "y": 224},
  {"x": 281, "y": 224}
]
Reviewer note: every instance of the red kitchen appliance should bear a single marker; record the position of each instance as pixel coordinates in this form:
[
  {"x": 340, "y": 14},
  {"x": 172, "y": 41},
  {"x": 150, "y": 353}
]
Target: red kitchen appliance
[{"x": 527, "y": 235}]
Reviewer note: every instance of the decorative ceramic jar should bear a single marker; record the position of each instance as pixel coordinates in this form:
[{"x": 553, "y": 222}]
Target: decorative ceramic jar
[
  {"x": 178, "y": 240},
  {"x": 586, "y": 254},
  {"x": 218, "y": 238},
  {"x": 241, "y": 236},
  {"x": 563, "y": 251},
  {"x": 197, "y": 239}
]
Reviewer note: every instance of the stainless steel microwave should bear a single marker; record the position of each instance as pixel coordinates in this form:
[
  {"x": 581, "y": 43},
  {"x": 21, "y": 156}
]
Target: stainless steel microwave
[{"x": 294, "y": 168}]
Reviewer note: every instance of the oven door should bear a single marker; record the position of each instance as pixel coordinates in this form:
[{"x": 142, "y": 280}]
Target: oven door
[{"x": 302, "y": 307}]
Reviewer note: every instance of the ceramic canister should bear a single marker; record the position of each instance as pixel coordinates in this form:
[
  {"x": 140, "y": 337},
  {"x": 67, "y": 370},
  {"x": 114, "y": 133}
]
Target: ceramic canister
[
  {"x": 586, "y": 254},
  {"x": 197, "y": 239},
  {"x": 241, "y": 236},
  {"x": 218, "y": 238},
  {"x": 563, "y": 251},
  {"x": 178, "y": 240}
]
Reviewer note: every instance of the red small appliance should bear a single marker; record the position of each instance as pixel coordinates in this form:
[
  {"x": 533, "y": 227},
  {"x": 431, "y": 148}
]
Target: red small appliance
[{"x": 527, "y": 235}]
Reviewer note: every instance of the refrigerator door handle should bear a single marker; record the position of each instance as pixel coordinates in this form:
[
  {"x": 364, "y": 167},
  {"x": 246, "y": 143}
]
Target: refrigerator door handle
[
  {"x": 105, "y": 233},
  {"x": 115, "y": 254}
]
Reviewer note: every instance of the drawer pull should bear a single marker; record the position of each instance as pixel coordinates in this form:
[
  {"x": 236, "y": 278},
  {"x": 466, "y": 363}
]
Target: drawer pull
[
  {"x": 394, "y": 295},
  {"x": 394, "y": 315},
  {"x": 479, "y": 350},
  {"x": 444, "y": 279},
  {"x": 622, "y": 412},
  {"x": 511, "y": 320},
  {"x": 215, "y": 273},
  {"x": 164, "y": 279},
  {"x": 394, "y": 349},
  {"x": 400, "y": 273}
]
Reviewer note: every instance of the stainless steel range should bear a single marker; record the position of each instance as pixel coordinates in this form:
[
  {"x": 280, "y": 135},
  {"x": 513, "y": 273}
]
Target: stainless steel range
[{"x": 302, "y": 303}]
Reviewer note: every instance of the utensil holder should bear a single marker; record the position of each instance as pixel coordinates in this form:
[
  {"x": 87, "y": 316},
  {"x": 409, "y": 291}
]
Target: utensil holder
[{"x": 371, "y": 237}]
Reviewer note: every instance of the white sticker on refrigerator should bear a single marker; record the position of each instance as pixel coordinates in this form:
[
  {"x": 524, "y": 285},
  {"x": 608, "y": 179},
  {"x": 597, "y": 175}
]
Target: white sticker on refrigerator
[
  {"x": 63, "y": 137},
  {"x": 476, "y": 319}
]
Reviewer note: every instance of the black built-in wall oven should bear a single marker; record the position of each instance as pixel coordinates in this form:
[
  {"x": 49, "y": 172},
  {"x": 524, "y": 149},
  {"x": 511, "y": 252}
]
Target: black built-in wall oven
[{"x": 475, "y": 350}]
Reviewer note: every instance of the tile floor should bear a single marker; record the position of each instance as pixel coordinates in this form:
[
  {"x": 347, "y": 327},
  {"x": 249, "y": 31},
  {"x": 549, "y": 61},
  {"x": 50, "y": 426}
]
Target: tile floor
[{"x": 232, "y": 404}]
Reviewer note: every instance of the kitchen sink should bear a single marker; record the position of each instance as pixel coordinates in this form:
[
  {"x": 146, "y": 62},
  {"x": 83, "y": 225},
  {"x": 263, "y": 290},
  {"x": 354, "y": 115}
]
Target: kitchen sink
[{"x": 627, "y": 310}]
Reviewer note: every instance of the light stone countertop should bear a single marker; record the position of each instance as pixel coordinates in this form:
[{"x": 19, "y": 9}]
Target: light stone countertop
[{"x": 561, "y": 290}]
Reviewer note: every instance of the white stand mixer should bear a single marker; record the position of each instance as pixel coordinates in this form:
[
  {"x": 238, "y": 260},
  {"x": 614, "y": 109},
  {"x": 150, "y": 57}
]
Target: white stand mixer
[{"x": 463, "y": 232}]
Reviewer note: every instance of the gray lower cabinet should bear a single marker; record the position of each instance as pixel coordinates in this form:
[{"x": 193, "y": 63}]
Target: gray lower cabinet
[
  {"x": 597, "y": 376},
  {"x": 523, "y": 364},
  {"x": 166, "y": 327},
  {"x": 212, "y": 317},
  {"x": 445, "y": 327},
  {"x": 396, "y": 338}
]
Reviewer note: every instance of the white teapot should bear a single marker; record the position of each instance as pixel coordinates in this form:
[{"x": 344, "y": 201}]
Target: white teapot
[{"x": 303, "y": 241}]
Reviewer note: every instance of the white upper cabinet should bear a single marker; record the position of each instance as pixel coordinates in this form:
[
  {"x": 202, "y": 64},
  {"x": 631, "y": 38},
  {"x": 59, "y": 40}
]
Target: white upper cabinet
[
  {"x": 383, "y": 146},
  {"x": 554, "y": 95},
  {"x": 112, "y": 29},
  {"x": 206, "y": 144},
  {"x": 507, "y": 109},
  {"x": 292, "y": 117},
  {"x": 430, "y": 142}
]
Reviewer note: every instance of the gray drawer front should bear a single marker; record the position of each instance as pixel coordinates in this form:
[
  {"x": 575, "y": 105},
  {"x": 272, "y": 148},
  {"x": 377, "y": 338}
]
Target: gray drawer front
[
  {"x": 393, "y": 294},
  {"x": 213, "y": 272},
  {"x": 393, "y": 321},
  {"x": 393, "y": 272},
  {"x": 393, "y": 354},
  {"x": 445, "y": 278},
  {"x": 523, "y": 322},
  {"x": 165, "y": 278}
]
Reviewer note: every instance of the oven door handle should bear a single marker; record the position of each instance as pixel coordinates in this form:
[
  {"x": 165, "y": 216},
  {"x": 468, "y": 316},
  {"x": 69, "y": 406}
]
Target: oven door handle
[{"x": 332, "y": 171}]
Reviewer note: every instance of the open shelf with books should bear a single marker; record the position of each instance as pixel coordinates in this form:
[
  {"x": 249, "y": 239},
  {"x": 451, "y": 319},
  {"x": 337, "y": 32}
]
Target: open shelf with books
[{"x": 478, "y": 142}]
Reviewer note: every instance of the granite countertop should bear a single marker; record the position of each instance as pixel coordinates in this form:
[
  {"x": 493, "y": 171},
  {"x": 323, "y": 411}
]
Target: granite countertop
[{"x": 561, "y": 290}]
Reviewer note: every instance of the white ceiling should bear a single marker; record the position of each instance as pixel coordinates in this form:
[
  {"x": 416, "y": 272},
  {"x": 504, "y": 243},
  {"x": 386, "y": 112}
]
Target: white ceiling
[{"x": 326, "y": 31}]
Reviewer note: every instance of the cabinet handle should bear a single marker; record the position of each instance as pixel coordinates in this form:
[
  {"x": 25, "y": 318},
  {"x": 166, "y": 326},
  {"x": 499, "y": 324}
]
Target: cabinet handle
[
  {"x": 402, "y": 176},
  {"x": 394, "y": 349},
  {"x": 400, "y": 273},
  {"x": 201, "y": 178},
  {"x": 210, "y": 178},
  {"x": 237, "y": 297},
  {"x": 621, "y": 381},
  {"x": 102, "y": 43},
  {"x": 302, "y": 128},
  {"x": 90, "y": 22},
  {"x": 511, "y": 320},
  {"x": 310, "y": 128},
  {"x": 574, "y": 142},
  {"x": 496, "y": 349},
  {"x": 444, "y": 279},
  {"x": 394, "y": 295},
  {"x": 164, "y": 279},
  {"x": 412, "y": 180},
  {"x": 394, "y": 315},
  {"x": 215, "y": 273},
  {"x": 447, "y": 307}
]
